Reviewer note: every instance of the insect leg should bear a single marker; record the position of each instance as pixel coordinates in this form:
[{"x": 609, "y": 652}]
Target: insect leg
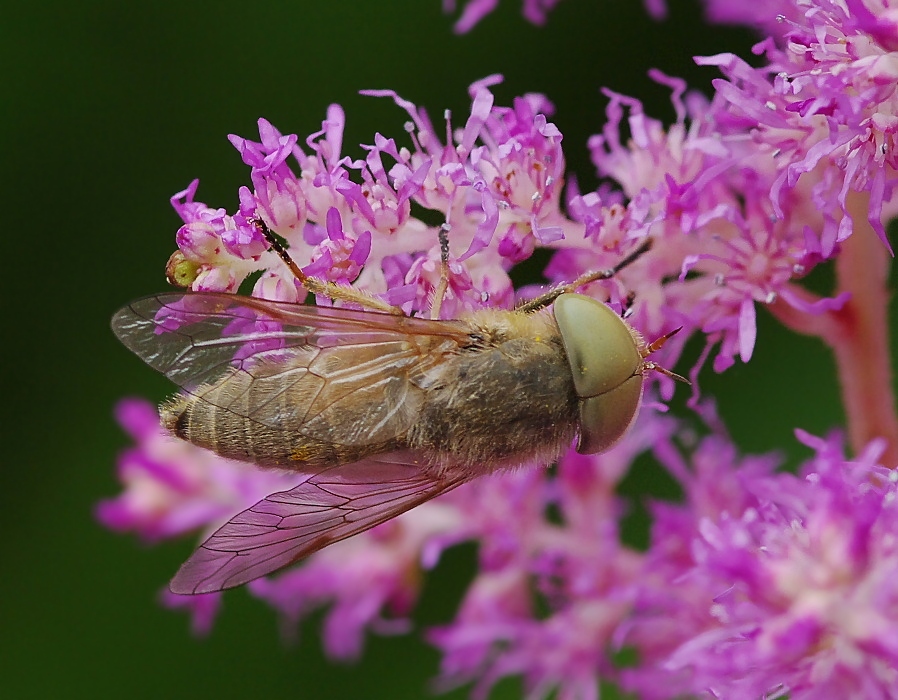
[
  {"x": 316, "y": 286},
  {"x": 443, "y": 284},
  {"x": 545, "y": 299}
]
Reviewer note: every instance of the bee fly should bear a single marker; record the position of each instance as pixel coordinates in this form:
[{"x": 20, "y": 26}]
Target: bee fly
[{"x": 377, "y": 411}]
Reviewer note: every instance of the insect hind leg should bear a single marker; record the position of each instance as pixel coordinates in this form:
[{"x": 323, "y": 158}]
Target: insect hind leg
[{"x": 316, "y": 286}]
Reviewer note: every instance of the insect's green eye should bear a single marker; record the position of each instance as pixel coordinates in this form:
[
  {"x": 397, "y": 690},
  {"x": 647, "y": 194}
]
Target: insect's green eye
[
  {"x": 599, "y": 347},
  {"x": 604, "y": 419},
  {"x": 605, "y": 364}
]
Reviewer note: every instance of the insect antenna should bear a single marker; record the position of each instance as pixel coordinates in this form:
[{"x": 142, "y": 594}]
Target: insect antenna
[
  {"x": 656, "y": 345},
  {"x": 316, "y": 286},
  {"x": 545, "y": 299}
]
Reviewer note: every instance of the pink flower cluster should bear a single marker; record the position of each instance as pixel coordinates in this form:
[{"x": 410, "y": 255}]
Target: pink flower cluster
[
  {"x": 499, "y": 198},
  {"x": 758, "y": 583}
]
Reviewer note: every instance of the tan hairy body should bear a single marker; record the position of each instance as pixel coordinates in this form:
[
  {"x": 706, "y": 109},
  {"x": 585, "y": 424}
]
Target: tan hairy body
[
  {"x": 502, "y": 396},
  {"x": 375, "y": 411}
]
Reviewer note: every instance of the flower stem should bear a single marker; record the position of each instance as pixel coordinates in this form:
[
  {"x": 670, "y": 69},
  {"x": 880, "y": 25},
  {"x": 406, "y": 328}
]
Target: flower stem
[{"x": 858, "y": 334}]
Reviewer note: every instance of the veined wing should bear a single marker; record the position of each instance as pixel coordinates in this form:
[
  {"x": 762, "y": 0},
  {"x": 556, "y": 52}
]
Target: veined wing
[
  {"x": 288, "y": 366},
  {"x": 325, "y": 508},
  {"x": 195, "y": 338}
]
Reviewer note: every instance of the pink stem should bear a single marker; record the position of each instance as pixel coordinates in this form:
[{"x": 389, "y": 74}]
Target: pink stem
[{"x": 858, "y": 334}]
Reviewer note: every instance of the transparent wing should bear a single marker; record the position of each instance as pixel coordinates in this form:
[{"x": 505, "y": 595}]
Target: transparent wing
[
  {"x": 194, "y": 339},
  {"x": 306, "y": 367},
  {"x": 325, "y": 508}
]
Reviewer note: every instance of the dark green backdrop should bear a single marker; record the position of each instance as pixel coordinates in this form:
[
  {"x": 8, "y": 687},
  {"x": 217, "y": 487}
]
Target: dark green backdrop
[{"x": 107, "y": 109}]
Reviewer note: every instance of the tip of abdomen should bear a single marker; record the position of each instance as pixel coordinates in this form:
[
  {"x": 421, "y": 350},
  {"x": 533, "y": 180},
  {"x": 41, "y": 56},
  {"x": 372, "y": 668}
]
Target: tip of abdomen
[{"x": 174, "y": 415}]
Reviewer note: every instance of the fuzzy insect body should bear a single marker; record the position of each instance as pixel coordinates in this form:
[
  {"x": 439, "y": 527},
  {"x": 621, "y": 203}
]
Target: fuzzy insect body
[
  {"x": 492, "y": 391},
  {"x": 376, "y": 412}
]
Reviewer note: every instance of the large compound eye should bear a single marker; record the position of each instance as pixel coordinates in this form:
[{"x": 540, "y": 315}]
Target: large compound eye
[
  {"x": 604, "y": 419},
  {"x": 605, "y": 364},
  {"x": 599, "y": 346}
]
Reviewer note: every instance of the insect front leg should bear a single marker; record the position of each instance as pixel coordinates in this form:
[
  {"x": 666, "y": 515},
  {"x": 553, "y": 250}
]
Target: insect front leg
[
  {"x": 544, "y": 300},
  {"x": 440, "y": 291},
  {"x": 328, "y": 289}
]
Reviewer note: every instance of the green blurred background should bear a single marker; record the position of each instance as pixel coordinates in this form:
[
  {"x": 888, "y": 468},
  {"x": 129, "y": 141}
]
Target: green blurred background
[{"x": 107, "y": 109}]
